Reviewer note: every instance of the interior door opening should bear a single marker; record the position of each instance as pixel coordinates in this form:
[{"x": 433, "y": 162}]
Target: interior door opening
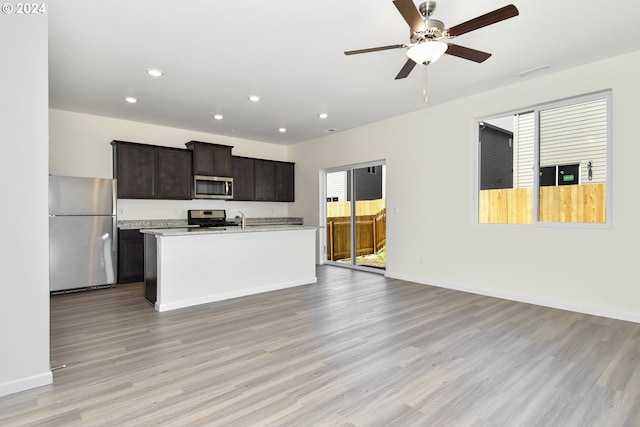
[{"x": 356, "y": 216}]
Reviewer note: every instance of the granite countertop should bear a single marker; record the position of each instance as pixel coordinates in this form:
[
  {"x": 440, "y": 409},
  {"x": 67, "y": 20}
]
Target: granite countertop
[
  {"x": 135, "y": 224},
  {"x": 184, "y": 231}
]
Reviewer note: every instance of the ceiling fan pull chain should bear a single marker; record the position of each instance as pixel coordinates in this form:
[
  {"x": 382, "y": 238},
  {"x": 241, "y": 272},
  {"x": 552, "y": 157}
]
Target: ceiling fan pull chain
[{"x": 424, "y": 91}]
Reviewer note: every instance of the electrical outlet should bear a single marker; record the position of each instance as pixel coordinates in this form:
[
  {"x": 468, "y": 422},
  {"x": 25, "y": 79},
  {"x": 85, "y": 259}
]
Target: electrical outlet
[{"x": 421, "y": 259}]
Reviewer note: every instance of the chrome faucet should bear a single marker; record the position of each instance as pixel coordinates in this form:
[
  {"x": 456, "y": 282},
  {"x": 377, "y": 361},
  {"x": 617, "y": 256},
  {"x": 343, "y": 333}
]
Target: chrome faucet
[{"x": 243, "y": 219}]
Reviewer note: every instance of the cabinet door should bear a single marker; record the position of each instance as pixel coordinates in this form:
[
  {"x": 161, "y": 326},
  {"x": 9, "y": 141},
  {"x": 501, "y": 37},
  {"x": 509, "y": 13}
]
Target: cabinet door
[
  {"x": 203, "y": 155},
  {"x": 130, "y": 256},
  {"x": 223, "y": 161},
  {"x": 211, "y": 159},
  {"x": 243, "y": 178},
  {"x": 284, "y": 182},
  {"x": 265, "y": 180},
  {"x": 174, "y": 174},
  {"x": 134, "y": 168}
]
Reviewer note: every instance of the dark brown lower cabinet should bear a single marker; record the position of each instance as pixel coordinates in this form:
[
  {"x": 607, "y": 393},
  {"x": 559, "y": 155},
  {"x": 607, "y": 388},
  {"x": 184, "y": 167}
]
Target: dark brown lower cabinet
[
  {"x": 151, "y": 270},
  {"x": 130, "y": 256}
]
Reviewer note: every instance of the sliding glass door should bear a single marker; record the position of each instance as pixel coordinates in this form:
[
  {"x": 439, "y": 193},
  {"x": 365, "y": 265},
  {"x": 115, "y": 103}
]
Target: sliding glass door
[{"x": 356, "y": 215}]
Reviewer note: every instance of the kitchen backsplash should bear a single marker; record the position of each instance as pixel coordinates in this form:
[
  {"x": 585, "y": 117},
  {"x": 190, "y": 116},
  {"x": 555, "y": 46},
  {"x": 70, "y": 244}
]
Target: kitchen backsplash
[
  {"x": 133, "y": 224},
  {"x": 134, "y": 209}
]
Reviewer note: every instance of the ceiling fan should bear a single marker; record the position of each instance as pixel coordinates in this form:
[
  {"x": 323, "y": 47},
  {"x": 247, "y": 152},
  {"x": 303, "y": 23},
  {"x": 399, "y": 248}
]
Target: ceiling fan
[{"x": 425, "y": 42}]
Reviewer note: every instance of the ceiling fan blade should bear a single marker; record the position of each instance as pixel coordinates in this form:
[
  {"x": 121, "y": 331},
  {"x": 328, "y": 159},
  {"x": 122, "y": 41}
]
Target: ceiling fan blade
[
  {"x": 482, "y": 21},
  {"x": 373, "y": 49},
  {"x": 410, "y": 14},
  {"x": 406, "y": 69},
  {"x": 467, "y": 53}
]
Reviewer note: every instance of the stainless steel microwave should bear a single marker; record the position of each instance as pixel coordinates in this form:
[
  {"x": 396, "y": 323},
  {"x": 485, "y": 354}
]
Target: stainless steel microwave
[{"x": 212, "y": 187}]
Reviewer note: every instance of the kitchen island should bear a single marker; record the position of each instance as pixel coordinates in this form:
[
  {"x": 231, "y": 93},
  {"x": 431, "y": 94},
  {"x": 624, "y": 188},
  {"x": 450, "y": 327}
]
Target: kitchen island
[{"x": 187, "y": 267}]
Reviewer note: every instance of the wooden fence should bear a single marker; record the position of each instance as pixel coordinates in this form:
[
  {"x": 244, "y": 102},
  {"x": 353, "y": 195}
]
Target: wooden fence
[
  {"x": 584, "y": 203},
  {"x": 363, "y": 207},
  {"x": 371, "y": 231}
]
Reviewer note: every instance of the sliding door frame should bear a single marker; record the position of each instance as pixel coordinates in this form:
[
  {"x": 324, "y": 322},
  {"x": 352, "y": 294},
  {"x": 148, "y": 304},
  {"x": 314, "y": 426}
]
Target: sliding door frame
[{"x": 350, "y": 169}]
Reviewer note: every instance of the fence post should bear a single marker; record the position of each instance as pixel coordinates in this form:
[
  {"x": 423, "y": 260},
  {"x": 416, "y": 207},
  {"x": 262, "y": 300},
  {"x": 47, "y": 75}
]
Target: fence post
[{"x": 375, "y": 234}]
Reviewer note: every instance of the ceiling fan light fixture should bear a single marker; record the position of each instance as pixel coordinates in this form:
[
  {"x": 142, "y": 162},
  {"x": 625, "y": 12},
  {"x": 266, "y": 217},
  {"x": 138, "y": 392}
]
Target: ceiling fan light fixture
[{"x": 427, "y": 52}]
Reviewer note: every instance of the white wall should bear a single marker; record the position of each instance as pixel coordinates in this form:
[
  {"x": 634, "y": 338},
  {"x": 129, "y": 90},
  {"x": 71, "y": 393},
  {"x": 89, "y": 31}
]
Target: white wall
[
  {"x": 80, "y": 146},
  {"x": 24, "y": 305},
  {"x": 430, "y": 180}
]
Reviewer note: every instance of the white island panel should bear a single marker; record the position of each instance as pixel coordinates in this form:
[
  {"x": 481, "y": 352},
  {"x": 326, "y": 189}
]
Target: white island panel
[{"x": 198, "y": 268}]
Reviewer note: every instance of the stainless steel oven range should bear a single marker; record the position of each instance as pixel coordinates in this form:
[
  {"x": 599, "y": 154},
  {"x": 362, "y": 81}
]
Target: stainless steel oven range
[{"x": 209, "y": 218}]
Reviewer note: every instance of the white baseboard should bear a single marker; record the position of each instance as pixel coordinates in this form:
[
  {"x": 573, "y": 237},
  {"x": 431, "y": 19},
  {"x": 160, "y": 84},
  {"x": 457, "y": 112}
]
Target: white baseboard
[
  {"x": 27, "y": 383},
  {"x": 595, "y": 311}
]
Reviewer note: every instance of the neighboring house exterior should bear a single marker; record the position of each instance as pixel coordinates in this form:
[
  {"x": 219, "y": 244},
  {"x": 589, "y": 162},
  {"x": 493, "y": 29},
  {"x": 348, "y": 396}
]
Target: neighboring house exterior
[
  {"x": 372, "y": 184},
  {"x": 573, "y": 144}
]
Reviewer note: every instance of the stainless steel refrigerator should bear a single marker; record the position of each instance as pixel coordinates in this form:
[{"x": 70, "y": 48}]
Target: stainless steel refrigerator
[{"x": 82, "y": 233}]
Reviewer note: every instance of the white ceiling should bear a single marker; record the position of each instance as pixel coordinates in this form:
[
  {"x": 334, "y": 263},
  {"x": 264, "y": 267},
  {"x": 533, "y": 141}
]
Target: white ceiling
[{"x": 215, "y": 53}]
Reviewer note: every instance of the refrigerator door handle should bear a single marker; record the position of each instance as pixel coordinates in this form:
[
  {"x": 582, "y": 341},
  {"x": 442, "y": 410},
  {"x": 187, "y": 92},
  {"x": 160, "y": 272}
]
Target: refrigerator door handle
[
  {"x": 114, "y": 234},
  {"x": 114, "y": 197}
]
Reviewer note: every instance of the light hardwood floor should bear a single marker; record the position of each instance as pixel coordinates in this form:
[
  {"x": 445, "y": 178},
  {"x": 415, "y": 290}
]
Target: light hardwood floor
[{"x": 355, "y": 349}]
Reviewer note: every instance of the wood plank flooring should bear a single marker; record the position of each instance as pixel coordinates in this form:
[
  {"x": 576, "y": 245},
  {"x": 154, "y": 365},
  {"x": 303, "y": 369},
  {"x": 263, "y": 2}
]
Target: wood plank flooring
[{"x": 355, "y": 349}]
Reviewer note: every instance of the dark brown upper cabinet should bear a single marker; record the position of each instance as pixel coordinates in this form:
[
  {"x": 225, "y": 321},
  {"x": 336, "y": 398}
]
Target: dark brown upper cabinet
[
  {"x": 243, "y": 178},
  {"x": 134, "y": 166},
  {"x": 285, "y": 190},
  {"x": 211, "y": 159},
  {"x": 265, "y": 180},
  {"x": 151, "y": 172},
  {"x": 148, "y": 171},
  {"x": 273, "y": 181},
  {"x": 174, "y": 174}
]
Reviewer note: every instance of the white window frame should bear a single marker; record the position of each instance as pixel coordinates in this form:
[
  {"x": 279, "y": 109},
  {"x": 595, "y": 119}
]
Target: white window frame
[{"x": 607, "y": 96}]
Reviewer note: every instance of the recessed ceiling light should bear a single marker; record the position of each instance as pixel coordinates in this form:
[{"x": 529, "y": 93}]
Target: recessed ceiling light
[
  {"x": 254, "y": 98},
  {"x": 154, "y": 72},
  {"x": 282, "y": 130},
  {"x": 331, "y": 130},
  {"x": 323, "y": 115},
  {"x": 218, "y": 116},
  {"x": 131, "y": 99}
]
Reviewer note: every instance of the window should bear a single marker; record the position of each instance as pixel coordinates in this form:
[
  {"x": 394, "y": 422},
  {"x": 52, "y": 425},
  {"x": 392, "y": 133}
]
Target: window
[{"x": 547, "y": 164}]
